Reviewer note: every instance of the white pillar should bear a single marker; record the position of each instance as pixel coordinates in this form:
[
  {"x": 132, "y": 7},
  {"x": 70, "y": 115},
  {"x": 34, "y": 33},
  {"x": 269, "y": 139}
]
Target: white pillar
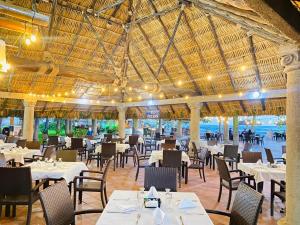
[
  {"x": 36, "y": 129},
  {"x": 28, "y": 122},
  {"x": 179, "y": 128},
  {"x": 160, "y": 125},
  {"x": 291, "y": 61},
  {"x": 67, "y": 127},
  {"x": 226, "y": 130},
  {"x": 194, "y": 122},
  {"x": 236, "y": 138},
  {"x": 70, "y": 127},
  {"x": 122, "y": 120},
  {"x": 94, "y": 126}
]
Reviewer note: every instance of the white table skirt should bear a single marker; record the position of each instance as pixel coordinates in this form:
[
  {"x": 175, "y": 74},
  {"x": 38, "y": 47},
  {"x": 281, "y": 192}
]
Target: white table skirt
[
  {"x": 119, "y": 147},
  {"x": 19, "y": 155},
  {"x": 263, "y": 173},
  {"x": 8, "y": 145},
  {"x": 215, "y": 149},
  {"x": 140, "y": 140},
  {"x": 191, "y": 216},
  {"x": 65, "y": 170},
  {"x": 158, "y": 155}
]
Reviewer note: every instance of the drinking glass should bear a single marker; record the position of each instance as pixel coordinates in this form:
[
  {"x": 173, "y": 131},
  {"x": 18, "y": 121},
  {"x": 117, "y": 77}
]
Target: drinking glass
[
  {"x": 168, "y": 198},
  {"x": 140, "y": 196}
]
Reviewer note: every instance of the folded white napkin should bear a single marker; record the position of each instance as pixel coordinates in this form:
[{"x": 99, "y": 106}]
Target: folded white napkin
[
  {"x": 123, "y": 208},
  {"x": 152, "y": 193},
  {"x": 50, "y": 160},
  {"x": 186, "y": 203},
  {"x": 259, "y": 162},
  {"x": 158, "y": 216}
]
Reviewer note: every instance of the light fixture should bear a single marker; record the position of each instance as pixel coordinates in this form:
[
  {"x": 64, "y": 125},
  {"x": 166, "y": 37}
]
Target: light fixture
[
  {"x": 81, "y": 90},
  {"x": 27, "y": 41},
  {"x": 150, "y": 94},
  {"x": 243, "y": 68},
  {"x": 6, "y": 67},
  {"x": 33, "y": 38},
  {"x": 113, "y": 101},
  {"x": 209, "y": 77},
  {"x": 161, "y": 95},
  {"x": 115, "y": 89},
  {"x": 263, "y": 90},
  {"x": 98, "y": 102},
  {"x": 73, "y": 92},
  {"x": 179, "y": 83},
  {"x": 220, "y": 96},
  {"x": 255, "y": 94},
  {"x": 59, "y": 94},
  {"x": 140, "y": 97},
  {"x": 146, "y": 87},
  {"x": 241, "y": 93},
  {"x": 130, "y": 99},
  {"x": 103, "y": 89},
  {"x": 66, "y": 93},
  {"x": 186, "y": 97},
  {"x": 130, "y": 88}
]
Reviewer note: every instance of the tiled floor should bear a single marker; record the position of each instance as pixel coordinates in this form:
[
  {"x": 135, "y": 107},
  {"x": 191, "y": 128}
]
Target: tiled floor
[{"x": 123, "y": 179}]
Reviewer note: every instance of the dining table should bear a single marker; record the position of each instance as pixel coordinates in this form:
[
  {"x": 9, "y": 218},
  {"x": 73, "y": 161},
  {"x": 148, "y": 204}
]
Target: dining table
[
  {"x": 264, "y": 172},
  {"x": 177, "y": 208},
  {"x": 7, "y": 145},
  {"x": 19, "y": 154},
  {"x": 56, "y": 170}
]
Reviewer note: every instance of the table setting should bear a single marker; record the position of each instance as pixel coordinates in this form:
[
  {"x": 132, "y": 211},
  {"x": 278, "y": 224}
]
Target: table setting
[
  {"x": 156, "y": 156},
  {"x": 4, "y": 145},
  {"x": 120, "y": 148},
  {"x": 141, "y": 208}
]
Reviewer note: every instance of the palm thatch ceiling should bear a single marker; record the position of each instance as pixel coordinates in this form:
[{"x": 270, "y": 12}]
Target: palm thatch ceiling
[{"x": 128, "y": 50}]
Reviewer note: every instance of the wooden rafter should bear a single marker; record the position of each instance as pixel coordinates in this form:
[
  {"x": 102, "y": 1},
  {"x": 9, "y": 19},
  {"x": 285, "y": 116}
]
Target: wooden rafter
[{"x": 135, "y": 69}]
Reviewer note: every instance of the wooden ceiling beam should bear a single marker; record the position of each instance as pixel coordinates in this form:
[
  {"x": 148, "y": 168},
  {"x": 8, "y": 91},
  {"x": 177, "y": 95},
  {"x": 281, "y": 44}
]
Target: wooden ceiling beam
[
  {"x": 135, "y": 69},
  {"x": 108, "y": 7},
  {"x": 53, "y": 12}
]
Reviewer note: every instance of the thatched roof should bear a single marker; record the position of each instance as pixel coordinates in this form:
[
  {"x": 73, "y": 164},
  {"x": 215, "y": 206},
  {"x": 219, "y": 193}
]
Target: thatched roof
[{"x": 89, "y": 45}]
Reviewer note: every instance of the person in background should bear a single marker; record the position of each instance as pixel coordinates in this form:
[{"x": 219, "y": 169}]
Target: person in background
[
  {"x": 5, "y": 131},
  {"x": 89, "y": 132},
  {"x": 230, "y": 134}
]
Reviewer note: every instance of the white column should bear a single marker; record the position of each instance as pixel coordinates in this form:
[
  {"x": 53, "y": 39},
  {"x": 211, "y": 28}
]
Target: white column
[
  {"x": 226, "y": 130},
  {"x": 194, "y": 122},
  {"x": 58, "y": 124},
  {"x": 70, "y": 127},
  {"x": 36, "y": 129},
  {"x": 28, "y": 122},
  {"x": 236, "y": 138},
  {"x": 291, "y": 61},
  {"x": 67, "y": 127},
  {"x": 122, "y": 120},
  {"x": 94, "y": 126},
  {"x": 160, "y": 125},
  {"x": 179, "y": 128}
]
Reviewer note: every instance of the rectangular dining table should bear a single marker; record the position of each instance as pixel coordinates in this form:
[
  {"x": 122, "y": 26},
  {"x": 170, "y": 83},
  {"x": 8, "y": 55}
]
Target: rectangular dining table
[
  {"x": 19, "y": 154},
  {"x": 137, "y": 215}
]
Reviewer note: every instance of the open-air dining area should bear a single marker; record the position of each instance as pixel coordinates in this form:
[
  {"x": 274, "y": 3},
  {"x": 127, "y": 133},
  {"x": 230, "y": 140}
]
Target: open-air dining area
[{"x": 149, "y": 112}]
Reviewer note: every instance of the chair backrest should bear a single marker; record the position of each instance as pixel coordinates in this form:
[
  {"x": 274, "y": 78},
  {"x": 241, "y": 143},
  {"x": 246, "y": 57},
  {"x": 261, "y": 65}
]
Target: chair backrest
[
  {"x": 231, "y": 151},
  {"x": 50, "y": 152},
  {"x": 166, "y": 146},
  {"x": 202, "y": 155},
  {"x": 246, "y": 206},
  {"x": 247, "y": 146},
  {"x": 76, "y": 143},
  {"x": 89, "y": 146},
  {"x": 172, "y": 158},
  {"x": 57, "y": 204},
  {"x": 251, "y": 157},
  {"x": 269, "y": 154},
  {"x": 195, "y": 150},
  {"x": 223, "y": 169},
  {"x": 283, "y": 149},
  {"x": 53, "y": 140},
  {"x": 133, "y": 140},
  {"x": 170, "y": 141},
  {"x": 161, "y": 178},
  {"x": 108, "y": 150},
  {"x": 108, "y": 137},
  {"x": 12, "y": 139},
  {"x": 33, "y": 145},
  {"x": 15, "y": 181},
  {"x": 21, "y": 143},
  {"x": 67, "y": 155},
  {"x": 107, "y": 166}
]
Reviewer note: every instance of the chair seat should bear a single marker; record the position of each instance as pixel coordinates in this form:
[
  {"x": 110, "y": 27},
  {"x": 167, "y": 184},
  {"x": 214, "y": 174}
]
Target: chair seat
[
  {"x": 234, "y": 184},
  {"x": 18, "y": 199},
  {"x": 89, "y": 186},
  {"x": 196, "y": 166}
]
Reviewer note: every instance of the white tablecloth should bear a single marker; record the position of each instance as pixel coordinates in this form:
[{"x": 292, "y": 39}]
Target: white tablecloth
[
  {"x": 215, "y": 149},
  {"x": 18, "y": 154},
  {"x": 7, "y": 145},
  {"x": 119, "y": 147},
  {"x": 65, "y": 170},
  {"x": 262, "y": 172},
  {"x": 190, "y": 216},
  {"x": 140, "y": 140},
  {"x": 158, "y": 155}
]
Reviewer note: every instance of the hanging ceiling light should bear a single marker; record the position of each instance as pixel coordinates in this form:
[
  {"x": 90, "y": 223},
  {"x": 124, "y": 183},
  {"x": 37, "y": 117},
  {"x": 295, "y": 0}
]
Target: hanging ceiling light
[{"x": 33, "y": 38}]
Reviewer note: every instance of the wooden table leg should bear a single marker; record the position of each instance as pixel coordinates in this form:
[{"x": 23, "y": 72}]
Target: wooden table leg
[{"x": 186, "y": 173}]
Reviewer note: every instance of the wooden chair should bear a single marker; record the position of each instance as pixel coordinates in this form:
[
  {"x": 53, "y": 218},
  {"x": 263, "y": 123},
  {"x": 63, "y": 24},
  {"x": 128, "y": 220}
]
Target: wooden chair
[
  {"x": 270, "y": 157},
  {"x": 198, "y": 163},
  {"x": 141, "y": 162},
  {"x": 251, "y": 157},
  {"x": 21, "y": 143},
  {"x": 281, "y": 193},
  {"x": 67, "y": 155},
  {"x": 245, "y": 208},
  {"x": 57, "y": 205},
  {"x": 173, "y": 159}
]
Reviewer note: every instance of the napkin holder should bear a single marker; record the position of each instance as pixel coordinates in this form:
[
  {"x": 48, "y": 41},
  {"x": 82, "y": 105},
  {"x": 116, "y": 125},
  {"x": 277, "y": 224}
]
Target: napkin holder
[{"x": 152, "y": 202}]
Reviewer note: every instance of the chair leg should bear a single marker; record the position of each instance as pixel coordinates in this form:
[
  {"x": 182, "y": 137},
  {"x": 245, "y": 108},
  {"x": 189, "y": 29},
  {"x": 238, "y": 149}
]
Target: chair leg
[
  {"x": 179, "y": 177},
  {"x": 220, "y": 192},
  {"x": 229, "y": 199},
  {"x": 137, "y": 173},
  {"x": 80, "y": 197},
  {"x": 102, "y": 198},
  {"x": 203, "y": 175},
  {"x": 29, "y": 214},
  {"x": 200, "y": 173},
  {"x": 105, "y": 195},
  {"x": 272, "y": 205},
  {"x": 14, "y": 211}
]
